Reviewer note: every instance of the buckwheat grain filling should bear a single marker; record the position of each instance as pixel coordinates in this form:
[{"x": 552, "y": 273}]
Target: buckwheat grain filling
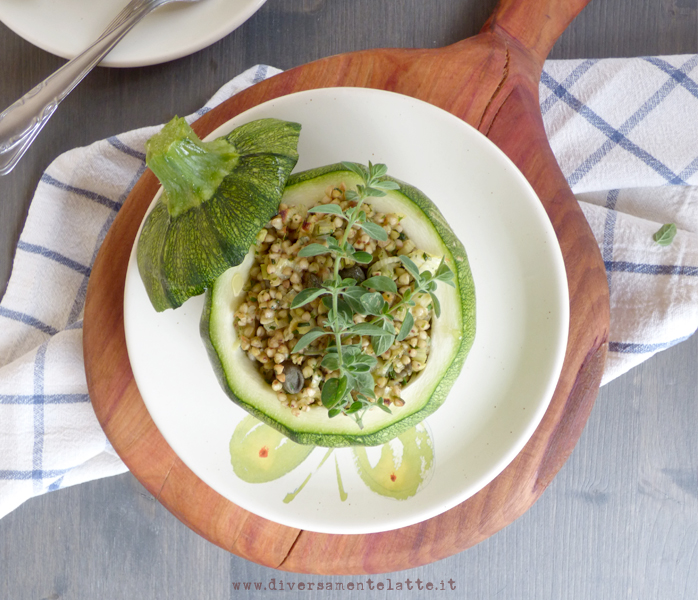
[{"x": 268, "y": 328}]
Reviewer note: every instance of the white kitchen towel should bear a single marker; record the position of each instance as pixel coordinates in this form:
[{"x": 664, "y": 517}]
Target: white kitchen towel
[
  {"x": 625, "y": 134},
  {"x": 49, "y": 435},
  {"x": 621, "y": 130}
]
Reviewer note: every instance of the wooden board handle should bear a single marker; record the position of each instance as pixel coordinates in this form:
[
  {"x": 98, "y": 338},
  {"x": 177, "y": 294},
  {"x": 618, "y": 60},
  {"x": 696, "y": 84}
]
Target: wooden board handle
[{"x": 535, "y": 24}]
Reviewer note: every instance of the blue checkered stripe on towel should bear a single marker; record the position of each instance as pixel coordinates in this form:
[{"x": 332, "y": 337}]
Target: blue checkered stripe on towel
[
  {"x": 624, "y": 132},
  {"x": 49, "y": 435}
]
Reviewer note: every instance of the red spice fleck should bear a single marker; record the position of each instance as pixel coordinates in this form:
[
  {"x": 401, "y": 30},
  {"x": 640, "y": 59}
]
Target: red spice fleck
[
  {"x": 264, "y": 452},
  {"x": 393, "y": 477}
]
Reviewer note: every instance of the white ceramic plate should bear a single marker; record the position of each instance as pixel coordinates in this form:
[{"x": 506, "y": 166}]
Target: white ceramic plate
[
  {"x": 67, "y": 27},
  {"x": 509, "y": 376}
]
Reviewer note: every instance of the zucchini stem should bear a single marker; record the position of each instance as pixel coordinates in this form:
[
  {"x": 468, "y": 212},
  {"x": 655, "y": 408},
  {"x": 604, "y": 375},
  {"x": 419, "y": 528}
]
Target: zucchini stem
[{"x": 190, "y": 170}]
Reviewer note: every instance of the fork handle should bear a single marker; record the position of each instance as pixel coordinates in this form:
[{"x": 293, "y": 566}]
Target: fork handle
[{"x": 22, "y": 121}]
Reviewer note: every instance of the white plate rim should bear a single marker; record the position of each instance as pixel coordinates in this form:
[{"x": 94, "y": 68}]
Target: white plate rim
[{"x": 127, "y": 54}]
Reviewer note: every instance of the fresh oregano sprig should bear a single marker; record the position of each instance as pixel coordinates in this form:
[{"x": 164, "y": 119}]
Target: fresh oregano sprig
[{"x": 352, "y": 392}]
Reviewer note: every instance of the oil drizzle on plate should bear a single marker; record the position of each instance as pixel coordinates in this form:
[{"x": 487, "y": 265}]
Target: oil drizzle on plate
[
  {"x": 291, "y": 496},
  {"x": 259, "y": 454},
  {"x": 342, "y": 494},
  {"x": 403, "y": 466}
]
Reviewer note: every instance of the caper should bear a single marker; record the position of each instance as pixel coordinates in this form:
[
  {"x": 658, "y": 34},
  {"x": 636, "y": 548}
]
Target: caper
[
  {"x": 311, "y": 280},
  {"x": 268, "y": 374},
  {"x": 294, "y": 378},
  {"x": 355, "y": 272}
]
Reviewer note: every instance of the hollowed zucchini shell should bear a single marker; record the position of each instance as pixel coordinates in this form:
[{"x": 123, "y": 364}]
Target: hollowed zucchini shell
[{"x": 452, "y": 333}]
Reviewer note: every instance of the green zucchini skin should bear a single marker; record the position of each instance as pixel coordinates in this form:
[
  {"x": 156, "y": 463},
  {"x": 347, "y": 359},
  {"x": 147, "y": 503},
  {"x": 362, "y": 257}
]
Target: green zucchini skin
[
  {"x": 180, "y": 256},
  {"x": 342, "y": 431}
]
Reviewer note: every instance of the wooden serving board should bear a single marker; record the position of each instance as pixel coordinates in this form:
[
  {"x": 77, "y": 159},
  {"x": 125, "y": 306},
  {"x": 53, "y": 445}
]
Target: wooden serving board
[{"x": 491, "y": 82}]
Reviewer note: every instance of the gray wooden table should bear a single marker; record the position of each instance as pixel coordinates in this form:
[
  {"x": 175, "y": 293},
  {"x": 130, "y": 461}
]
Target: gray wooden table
[{"x": 619, "y": 521}]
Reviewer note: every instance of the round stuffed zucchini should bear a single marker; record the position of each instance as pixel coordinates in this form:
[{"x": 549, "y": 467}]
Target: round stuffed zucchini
[{"x": 452, "y": 333}]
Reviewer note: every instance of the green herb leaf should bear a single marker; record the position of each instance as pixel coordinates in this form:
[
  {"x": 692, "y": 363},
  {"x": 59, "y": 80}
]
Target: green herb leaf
[
  {"x": 665, "y": 235},
  {"x": 330, "y": 362},
  {"x": 333, "y": 412},
  {"x": 381, "y": 404},
  {"x": 352, "y": 296},
  {"x": 372, "y": 303},
  {"x": 374, "y": 191},
  {"x": 313, "y": 250},
  {"x": 333, "y": 245},
  {"x": 443, "y": 271},
  {"x": 339, "y": 322},
  {"x": 406, "y": 327},
  {"x": 330, "y": 209},
  {"x": 350, "y": 353},
  {"x": 380, "y": 283},
  {"x": 358, "y": 368},
  {"x": 447, "y": 279},
  {"x": 362, "y": 257},
  {"x": 410, "y": 267},
  {"x": 367, "y": 329},
  {"x": 333, "y": 391},
  {"x": 376, "y": 171},
  {"x": 307, "y": 295},
  {"x": 382, "y": 344},
  {"x": 364, "y": 383},
  {"x": 437, "y": 304},
  {"x": 355, "y": 292},
  {"x": 386, "y": 185},
  {"x": 356, "y": 168},
  {"x": 374, "y": 230},
  {"x": 370, "y": 395},
  {"x": 345, "y": 312},
  {"x": 360, "y": 362},
  {"x": 355, "y": 407},
  {"x": 309, "y": 338},
  {"x": 387, "y": 324}
]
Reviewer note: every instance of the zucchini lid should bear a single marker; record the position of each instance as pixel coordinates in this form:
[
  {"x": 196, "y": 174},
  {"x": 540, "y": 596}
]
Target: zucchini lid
[
  {"x": 452, "y": 334},
  {"x": 216, "y": 197}
]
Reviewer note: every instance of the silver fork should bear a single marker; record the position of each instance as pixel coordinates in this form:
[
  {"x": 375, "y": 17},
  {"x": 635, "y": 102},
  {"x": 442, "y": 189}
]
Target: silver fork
[{"x": 23, "y": 120}]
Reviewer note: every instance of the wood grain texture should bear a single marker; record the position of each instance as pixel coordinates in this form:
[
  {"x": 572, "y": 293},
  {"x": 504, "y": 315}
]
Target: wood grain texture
[{"x": 491, "y": 82}]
